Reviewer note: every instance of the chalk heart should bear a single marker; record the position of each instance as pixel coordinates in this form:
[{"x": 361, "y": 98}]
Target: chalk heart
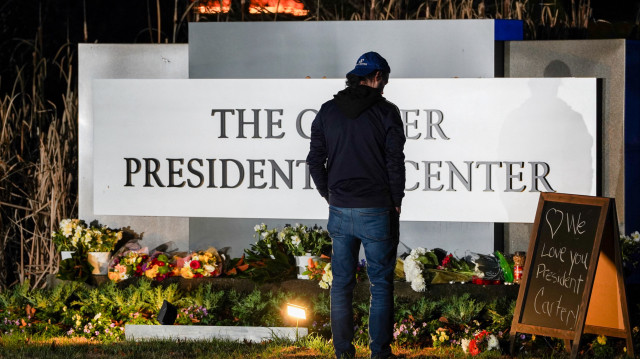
[{"x": 554, "y": 220}]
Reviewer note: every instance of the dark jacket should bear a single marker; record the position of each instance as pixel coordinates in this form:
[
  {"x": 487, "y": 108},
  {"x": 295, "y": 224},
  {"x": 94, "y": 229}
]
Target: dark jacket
[{"x": 356, "y": 154}]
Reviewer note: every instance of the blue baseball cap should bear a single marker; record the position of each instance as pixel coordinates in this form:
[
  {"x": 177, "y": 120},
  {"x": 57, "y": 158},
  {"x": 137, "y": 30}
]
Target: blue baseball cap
[{"x": 368, "y": 63}]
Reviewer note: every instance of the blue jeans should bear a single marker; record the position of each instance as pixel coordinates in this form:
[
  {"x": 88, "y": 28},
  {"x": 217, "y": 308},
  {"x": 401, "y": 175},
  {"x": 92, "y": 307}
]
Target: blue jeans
[{"x": 378, "y": 231}]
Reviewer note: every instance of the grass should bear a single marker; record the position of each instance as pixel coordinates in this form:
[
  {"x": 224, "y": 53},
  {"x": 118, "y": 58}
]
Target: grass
[{"x": 311, "y": 346}]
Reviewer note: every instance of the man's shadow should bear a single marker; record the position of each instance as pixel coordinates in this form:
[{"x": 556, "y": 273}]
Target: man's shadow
[{"x": 542, "y": 128}]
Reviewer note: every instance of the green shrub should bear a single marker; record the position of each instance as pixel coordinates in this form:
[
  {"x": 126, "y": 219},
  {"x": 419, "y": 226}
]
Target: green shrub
[
  {"x": 462, "y": 310},
  {"x": 248, "y": 309}
]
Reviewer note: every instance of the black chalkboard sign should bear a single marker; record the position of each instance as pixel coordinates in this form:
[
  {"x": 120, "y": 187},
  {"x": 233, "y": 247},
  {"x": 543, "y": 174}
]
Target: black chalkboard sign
[{"x": 572, "y": 270}]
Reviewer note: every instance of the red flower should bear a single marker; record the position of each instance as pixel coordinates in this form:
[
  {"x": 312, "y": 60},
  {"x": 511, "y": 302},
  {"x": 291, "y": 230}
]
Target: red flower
[
  {"x": 446, "y": 260},
  {"x": 197, "y": 275},
  {"x": 194, "y": 264},
  {"x": 473, "y": 348},
  {"x": 160, "y": 264}
]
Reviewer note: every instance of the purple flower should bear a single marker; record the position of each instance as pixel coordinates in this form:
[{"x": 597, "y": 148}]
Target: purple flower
[
  {"x": 97, "y": 333},
  {"x": 522, "y": 336}
]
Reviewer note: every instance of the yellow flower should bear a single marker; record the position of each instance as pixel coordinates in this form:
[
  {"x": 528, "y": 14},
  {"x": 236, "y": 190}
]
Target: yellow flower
[
  {"x": 602, "y": 340},
  {"x": 185, "y": 272},
  {"x": 533, "y": 337}
]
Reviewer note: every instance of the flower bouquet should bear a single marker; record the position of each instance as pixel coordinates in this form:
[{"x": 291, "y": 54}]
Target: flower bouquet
[
  {"x": 301, "y": 240},
  {"x": 202, "y": 264},
  {"x": 267, "y": 244},
  {"x": 69, "y": 234},
  {"x": 481, "y": 341},
  {"x": 159, "y": 266},
  {"x": 102, "y": 239},
  {"x": 422, "y": 266},
  {"x": 320, "y": 270},
  {"x": 267, "y": 260},
  {"x": 127, "y": 264}
]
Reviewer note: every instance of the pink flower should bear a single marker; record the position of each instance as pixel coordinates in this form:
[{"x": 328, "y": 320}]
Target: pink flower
[{"x": 120, "y": 269}]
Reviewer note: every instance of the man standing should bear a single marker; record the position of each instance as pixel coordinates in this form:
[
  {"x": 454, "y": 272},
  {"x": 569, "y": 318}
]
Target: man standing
[{"x": 356, "y": 160}]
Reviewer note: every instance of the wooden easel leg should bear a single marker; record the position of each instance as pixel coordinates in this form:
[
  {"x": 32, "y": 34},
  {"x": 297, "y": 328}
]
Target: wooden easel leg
[
  {"x": 567, "y": 345},
  {"x": 512, "y": 342},
  {"x": 574, "y": 348},
  {"x": 630, "y": 353}
]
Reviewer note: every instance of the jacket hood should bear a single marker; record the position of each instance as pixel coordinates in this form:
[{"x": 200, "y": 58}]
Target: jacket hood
[{"x": 353, "y": 101}]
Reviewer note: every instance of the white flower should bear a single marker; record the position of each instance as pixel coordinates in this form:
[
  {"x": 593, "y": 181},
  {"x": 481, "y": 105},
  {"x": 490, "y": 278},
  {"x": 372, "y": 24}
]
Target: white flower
[
  {"x": 97, "y": 316},
  {"x": 186, "y": 264},
  {"x": 281, "y": 236},
  {"x": 464, "y": 343},
  {"x": 265, "y": 234},
  {"x": 327, "y": 277},
  {"x": 295, "y": 240},
  {"x": 256, "y": 227},
  {"x": 635, "y": 236},
  {"x": 413, "y": 270},
  {"x": 209, "y": 268},
  {"x": 67, "y": 228},
  {"x": 418, "y": 285},
  {"x": 419, "y": 251},
  {"x": 323, "y": 285},
  {"x": 493, "y": 343}
]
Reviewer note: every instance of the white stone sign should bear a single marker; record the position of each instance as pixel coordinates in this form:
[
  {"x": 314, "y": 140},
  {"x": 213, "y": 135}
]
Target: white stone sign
[{"x": 478, "y": 150}]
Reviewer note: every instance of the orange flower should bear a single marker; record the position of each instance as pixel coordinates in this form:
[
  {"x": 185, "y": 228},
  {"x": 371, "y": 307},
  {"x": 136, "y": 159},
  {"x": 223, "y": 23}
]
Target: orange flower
[{"x": 114, "y": 276}]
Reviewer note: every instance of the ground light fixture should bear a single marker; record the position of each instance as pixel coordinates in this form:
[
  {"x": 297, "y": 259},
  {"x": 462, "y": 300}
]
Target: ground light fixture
[
  {"x": 167, "y": 314},
  {"x": 298, "y": 312}
]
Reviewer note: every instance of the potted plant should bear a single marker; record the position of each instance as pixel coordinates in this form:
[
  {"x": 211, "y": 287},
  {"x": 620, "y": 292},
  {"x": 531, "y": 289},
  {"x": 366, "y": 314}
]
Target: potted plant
[
  {"x": 305, "y": 244},
  {"x": 99, "y": 242}
]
